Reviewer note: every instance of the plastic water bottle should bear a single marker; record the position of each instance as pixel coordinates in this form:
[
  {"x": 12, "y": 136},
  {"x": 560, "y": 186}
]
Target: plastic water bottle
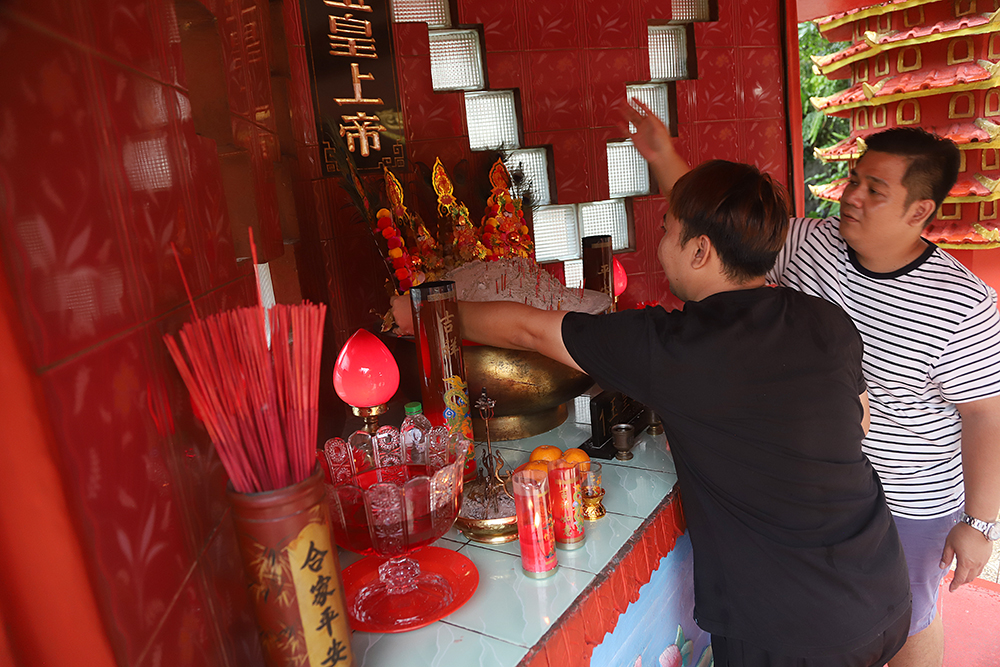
[{"x": 414, "y": 430}]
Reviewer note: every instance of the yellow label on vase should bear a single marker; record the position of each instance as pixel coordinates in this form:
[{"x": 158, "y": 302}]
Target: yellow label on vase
[
  {"x": 456, "y": 406},
  {"x": 321, "y": 601}
]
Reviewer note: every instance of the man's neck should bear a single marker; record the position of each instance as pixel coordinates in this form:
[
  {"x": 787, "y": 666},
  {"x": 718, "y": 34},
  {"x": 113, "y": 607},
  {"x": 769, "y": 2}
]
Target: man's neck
[
  {"x": 888, "y": 260},
  {"x": 725, "y": 285}
]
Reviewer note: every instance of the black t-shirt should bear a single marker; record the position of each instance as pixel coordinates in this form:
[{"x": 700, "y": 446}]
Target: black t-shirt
[{"x": 794, "y": 548}]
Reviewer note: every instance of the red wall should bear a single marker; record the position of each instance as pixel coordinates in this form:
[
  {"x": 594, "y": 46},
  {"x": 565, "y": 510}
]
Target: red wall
[{"x": 86, "y": 232}]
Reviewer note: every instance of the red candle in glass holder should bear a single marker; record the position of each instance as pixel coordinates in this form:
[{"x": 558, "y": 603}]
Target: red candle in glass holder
[
  {"x": 566, "y": 495},
  {"x": 535, "y": 531}
]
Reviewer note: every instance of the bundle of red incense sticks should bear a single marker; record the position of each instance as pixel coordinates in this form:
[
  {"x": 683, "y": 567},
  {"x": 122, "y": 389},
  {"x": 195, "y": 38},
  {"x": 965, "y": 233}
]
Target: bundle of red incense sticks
[{"x": 259, "y": 402}]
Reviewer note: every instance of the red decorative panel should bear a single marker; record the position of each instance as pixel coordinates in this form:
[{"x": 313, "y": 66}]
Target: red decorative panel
[
  {"x": 716, "y": 95},
  {"x": 557, "y": 87},
  {"x": 411, "y": 39},
  {"x": 722, "y": 32},
  {"x": 112, "y": 452},
  {"x": 429, "y": 115},
  {"x": 505, "y": 69},
  {"x": 126, "y": 31},
  {"x": 151, "y": 176},
  {"x": 232, "y": 52},
  {"x": 610, "y": 25},
  {"x": 571, "y": 151},
  {"x": 553, "y": 25},
  {"x": 61, "y": 243},
  {"x": 255, "y": 25},
  {"x": 764, "y": 145},
  {"x": 761, "y": 82},
  {"x": 608, "y": 70},
  {"x": 502, "y": 26},
  {"x": 719, "y": 140},
  {"x": 760, "y": 23}
]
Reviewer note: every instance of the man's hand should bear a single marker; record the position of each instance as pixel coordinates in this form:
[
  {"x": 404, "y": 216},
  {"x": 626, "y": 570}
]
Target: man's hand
[
  {"x": 403, "y": 314},
  {"x": 652, "y": 139},
  {"x": 971, "y": 548}
]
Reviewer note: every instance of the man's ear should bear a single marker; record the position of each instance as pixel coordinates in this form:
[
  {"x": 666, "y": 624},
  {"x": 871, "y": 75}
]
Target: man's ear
[
  {"x": 920, "y": 211},
  {"x": 702, "y": 251}
]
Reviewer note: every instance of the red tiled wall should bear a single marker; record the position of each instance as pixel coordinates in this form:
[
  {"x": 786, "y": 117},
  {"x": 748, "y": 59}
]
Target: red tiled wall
[
  {"x": 572, "y": 61},
  {"x": 86, "y": 246}
]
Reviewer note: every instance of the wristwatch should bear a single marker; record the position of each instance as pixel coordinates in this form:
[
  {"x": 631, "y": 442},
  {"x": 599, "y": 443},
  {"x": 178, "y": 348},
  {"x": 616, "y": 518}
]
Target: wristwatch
[{"x": 990, "y": 530}]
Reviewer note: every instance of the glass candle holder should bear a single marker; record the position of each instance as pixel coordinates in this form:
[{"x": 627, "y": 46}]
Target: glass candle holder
[
  {"x": 535, "y": 529},
  {"x": 593, "y": 492},
  {"x": 566, "y": 494}
]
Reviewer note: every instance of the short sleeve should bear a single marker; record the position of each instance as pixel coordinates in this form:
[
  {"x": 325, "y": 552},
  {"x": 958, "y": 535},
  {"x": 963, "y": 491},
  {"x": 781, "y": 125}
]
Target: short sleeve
[
  {"x": 969, "y": 367},
  {"x": 799, "y": 230}
]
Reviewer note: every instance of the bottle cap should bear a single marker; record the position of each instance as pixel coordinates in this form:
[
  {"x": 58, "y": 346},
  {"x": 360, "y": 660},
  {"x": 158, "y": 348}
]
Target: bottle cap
[{"x": 414, "y": 408}]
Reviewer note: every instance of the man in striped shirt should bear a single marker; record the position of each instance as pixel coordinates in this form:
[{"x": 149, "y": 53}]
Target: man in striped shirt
[{"x": 931, "y": 331}]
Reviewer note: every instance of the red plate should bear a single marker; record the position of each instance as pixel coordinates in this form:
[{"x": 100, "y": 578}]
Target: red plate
[{"x": 457, "y": 570}]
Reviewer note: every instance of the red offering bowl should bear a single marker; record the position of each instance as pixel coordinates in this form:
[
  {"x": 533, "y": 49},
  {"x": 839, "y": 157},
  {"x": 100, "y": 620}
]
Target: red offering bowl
[{"x": 388, "y": 498}]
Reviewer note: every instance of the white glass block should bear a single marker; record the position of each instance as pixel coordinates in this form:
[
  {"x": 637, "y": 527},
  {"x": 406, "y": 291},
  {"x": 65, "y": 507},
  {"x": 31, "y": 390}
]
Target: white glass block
[
  {"x": 654, "y": 96},
  {"x": 434, "y": 13},
  {"x": 147, "y": 164},
  {"x": 557, "y": 233},
  {"x": 628, "y": 172},
  {"x": 606, "y": 217},
  {"x": 581, "y": 409},
  {"x": 688, "y": 10},
  {"x": 667, "y": 53},
  {"x": 492, "y": 119},
  {"x": 456, "y": 62},
  {"x": 573, "y": 272},
  {"x": 529, "y": 169}
]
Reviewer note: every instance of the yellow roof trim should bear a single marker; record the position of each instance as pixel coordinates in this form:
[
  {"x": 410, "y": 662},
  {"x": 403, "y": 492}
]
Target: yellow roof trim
[
  {"x": 877, "y": 10},
  {"x": 991, "y": 82}
]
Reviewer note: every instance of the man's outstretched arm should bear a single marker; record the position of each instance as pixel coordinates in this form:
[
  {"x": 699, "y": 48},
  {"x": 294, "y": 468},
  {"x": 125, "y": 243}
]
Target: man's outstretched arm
[{"x": 504, "y": 324}]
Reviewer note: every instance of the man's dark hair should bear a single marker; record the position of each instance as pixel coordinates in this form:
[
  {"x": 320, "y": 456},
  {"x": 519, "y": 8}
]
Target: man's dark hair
[
  {"x": 933, "y": 162},
  {"x": 742, "y": 211}
]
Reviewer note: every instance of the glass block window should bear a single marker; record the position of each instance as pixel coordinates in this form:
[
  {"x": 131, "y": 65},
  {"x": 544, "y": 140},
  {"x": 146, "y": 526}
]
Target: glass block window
[
  {"x": 492, "y": 119},
  {"x": 529, "y": 170},
  {"x": 456, "y": 61},
  {"x": 434, "y": 13},
  {"x": 573, "y": 271},
  {"x": 689, "y": 10},
  {"x": 667, "y": 53},
  {"x": 557, "y": 233},
  {"x": 654, "y": 96},
  {"x": 147, "y": 164},
  {"x": 605, "y": 217},
  {"x": 581, "y": 409},
  {"x": 628, "y": 172}
]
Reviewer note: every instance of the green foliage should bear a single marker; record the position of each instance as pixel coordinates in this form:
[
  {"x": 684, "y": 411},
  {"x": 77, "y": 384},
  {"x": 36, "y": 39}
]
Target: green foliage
[{"x": 818, "y": 129}]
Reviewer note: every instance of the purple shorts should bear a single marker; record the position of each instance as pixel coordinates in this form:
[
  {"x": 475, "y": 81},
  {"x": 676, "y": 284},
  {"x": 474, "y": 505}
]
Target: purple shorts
[{"x": 923, "y": 542}]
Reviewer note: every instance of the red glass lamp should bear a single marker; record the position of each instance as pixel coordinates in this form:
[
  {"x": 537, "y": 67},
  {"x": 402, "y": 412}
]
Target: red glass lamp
[
  {"x": 366, "y": 377},
  {"x": 620, "y": 279}
]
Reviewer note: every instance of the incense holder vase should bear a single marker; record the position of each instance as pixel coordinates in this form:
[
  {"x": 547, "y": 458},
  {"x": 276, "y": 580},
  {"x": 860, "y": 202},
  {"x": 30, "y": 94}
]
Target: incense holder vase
[{"x": 293, "y": 574}]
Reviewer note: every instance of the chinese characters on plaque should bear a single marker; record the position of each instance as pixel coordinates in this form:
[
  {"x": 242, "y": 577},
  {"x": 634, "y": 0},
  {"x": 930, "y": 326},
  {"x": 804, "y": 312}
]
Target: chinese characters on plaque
[
  {"x": 354, "y": 81},
  {"x": 324, "y": 620}
]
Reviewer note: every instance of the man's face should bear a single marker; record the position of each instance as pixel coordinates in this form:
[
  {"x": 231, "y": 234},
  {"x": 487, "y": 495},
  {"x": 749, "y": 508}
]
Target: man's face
[
  {"x": 873, "y": 210},
  {"x": 671, "y": 255}
]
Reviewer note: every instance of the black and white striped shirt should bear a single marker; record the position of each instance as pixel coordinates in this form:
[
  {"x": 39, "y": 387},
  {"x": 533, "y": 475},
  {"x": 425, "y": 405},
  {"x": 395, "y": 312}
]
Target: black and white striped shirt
[{"x": 932, "y": 339}]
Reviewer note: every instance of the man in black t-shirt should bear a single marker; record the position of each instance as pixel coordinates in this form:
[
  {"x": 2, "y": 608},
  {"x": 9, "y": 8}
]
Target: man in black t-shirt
[{"x": 797, "y": 560}]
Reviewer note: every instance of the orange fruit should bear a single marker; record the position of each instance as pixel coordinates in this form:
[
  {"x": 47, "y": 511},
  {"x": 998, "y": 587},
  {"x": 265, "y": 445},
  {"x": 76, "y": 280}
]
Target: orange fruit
[
  {"x": 577, "y": 455},
  {"x": 545, "y": 453},
  {"x": 536, "y": 465}
]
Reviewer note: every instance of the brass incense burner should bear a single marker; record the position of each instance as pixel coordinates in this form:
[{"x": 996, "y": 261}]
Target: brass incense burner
[
  {"x": 530, "y": 389},
  {"x": 487, "y": 513}
]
